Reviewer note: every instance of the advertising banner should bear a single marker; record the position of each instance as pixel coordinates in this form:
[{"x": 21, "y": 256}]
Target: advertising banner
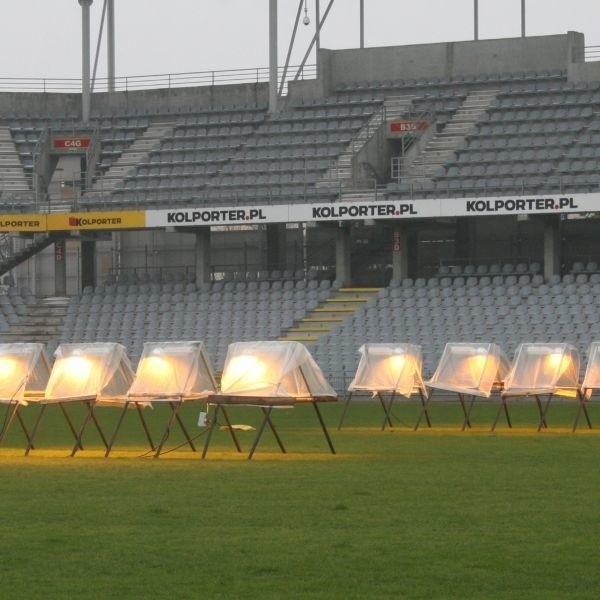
[
  {"x": 30, "y": 222},
  {"x": 133, "y": 219}
]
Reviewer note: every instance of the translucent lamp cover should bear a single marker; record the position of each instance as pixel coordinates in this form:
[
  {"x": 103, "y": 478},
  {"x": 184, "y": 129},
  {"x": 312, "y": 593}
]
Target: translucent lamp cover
[
  {"x": 591, "y": 380},
  {"x": 470, "y": 368},
  {"x": 89, "y": 371},
  {"x": 543, "y": 369},
  {"x": 23, "y": 369},
  {"x": 389, "y": 368},
  {"x": 173, "y": 369},
  {"x": 273, "y": 370}
]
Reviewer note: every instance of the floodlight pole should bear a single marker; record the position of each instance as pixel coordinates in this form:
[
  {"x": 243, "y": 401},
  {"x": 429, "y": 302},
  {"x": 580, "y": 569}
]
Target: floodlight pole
[
  {"x": 522, "y": 18},
  {"x": 272, "y": 56},
  {"x": 362, "y": 23},
  {"x": 85, "y": 59},
  {"x": 476, "y": 19},
  {"x": 110, "y": 37}
]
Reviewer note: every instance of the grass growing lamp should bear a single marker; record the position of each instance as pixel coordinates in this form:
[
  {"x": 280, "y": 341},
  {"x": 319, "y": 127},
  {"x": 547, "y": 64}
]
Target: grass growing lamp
[
  {"x": 173, "y": 373},
  {"x": 388, "y": 369},
  {"x": 591, "y": 383},
  {"x": 24, "y": 371},
  {"x": 267, "y": 375},
  {"x": 88, "y": 373},
  {"x": 542, "y": 370},
  {"x": 468, "y": 369}
]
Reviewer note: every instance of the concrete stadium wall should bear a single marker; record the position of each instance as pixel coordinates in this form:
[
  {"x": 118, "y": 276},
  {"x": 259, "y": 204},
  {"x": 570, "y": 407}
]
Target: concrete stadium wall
[
  {"x": 137, "y": 101},
  {"x": 450, "y": 59}
]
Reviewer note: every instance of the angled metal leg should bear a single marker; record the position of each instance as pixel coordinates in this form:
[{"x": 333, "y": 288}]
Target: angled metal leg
[
  {"x": 582, "y": 408},
  {"x": 11, "y": 414},
  {"x": 427, "y": 420},
  {"x": 425, "y": 405},
  {"x": 345, "y": 410},
  {"x": 503, "y": 407},
  {"x": 167, "y": 433},
  {"x": 36, "y": 425},
  {"x": 466, "y": 421},
  {"x": 70, "y": 424},
  {"x": 324, "y": 428},
  {"x": 88, "y": 417},
  {"x": 231, "y": 430},
  {"x": 211, "y": 427},
  {"x": 272, "y": 428},
  {"x": 387, "y": 408},
  {"x": 116, "y": 431},
  {"x": 587, "y": 416},
  {"x": 24, "y": 428},
  {"x": 182, "y": 426},
  {"x": 543, "y": 410},
  {"x": 140, "y": 412},
  {"x": 266, "y": 419}
]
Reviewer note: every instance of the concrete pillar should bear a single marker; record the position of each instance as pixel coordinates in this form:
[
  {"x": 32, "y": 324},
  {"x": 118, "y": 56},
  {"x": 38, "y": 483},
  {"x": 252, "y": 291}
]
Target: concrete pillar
[
  {"x": 110, "y": 44},
  {"x": 85, "y": 60},
  {"x": 60, "y": 268},
  {"x": 202, "y": 255},
  {"x": 400, "y": 252},
  {"x": 273, "y": 56},
  {"x": 551, "y": 246},
  {"x": 276, "y": 247},
  {"x": 342, "y": 256},
  {"x": 88, "y": 263}
]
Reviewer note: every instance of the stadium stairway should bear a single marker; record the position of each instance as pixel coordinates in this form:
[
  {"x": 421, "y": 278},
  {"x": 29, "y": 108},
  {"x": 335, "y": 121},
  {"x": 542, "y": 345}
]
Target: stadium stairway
[
  {"x": 137, "y": 153},
  {"x": 39, "y": 243},
  {"x": 12, "y": 175},
  {"x": 42, "y": 321},
  {"x": 330, "y": 313},
  {"x": 444, "y": 143}
]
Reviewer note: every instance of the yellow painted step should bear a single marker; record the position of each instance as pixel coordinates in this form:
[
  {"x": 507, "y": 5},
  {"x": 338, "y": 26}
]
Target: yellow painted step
[
  {"x": 359, "y": 290},
  {"x": 334, "y": 309},
  {"x": 322, "y": 319},
  {"x": 299, "y": 338},
  {"x": 310, "y": 329},
  {"x": 347, "y": 300}
]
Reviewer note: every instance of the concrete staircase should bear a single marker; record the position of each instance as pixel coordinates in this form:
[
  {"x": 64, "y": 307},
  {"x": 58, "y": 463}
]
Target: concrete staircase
[
  {"x": 340, "y": 305},
  {"x": 12, "y": 175},
  {"x": 340, "y": 173},
  {"x": 43, "y": 321},
  {"x": 131, "y": 157},
  {"x": 443, "y": 144}
]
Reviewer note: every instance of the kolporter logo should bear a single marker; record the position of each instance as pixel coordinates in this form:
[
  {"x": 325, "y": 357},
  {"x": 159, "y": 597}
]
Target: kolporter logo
[
  {"x": 336, "y": 211},
  {"x": 82, "y": 222},
  {"x": 521, "y": 205},
  {"x": 18, "y": 224},
  {"x": 215, "y": 216}
]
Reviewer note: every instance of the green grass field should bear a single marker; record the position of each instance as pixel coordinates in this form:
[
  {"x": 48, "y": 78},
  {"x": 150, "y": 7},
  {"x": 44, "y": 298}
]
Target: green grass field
[{"x": 396, "y": 514}]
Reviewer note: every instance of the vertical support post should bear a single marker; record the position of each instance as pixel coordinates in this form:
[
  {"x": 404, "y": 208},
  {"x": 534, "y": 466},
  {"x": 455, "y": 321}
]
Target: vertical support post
[
  {"x": 342, "y": 255},
  {"x": 551, "y": 246},
  {"x": 272, "y": 56},
  {"x": 522, "y": 18},
  {"x": 110, "y": 37},
  {"x": 318, "y": 31},
  {"x": 202, "y": 249},
  {"x": 276, "y": 247},
  {"x": 88, "y": 263},
  {"x": 476, "y": 19},
  {"x": 399, "y": 252},
  {"x": 60, "y": 268},
  {"x": 85, "y": 60},
  {"x": 362, "y": 23}
]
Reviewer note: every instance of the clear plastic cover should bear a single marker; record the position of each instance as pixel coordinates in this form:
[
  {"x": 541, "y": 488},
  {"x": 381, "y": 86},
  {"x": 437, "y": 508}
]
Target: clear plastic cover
[
  {"x": 173, "y": 369},
  {"x": 591, "y": 380},
  {"x": 24, "y": 371},
  {"x": 99, "y": 371},
  {"x": 389, "y": 368},
  {"x": 273, "y": 370},
  {"x": 470, "y": 368},
  {"x": 543, "y": 369}
]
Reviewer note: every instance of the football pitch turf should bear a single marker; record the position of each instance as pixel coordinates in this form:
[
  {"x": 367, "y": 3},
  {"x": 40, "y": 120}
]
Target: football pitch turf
[{"x": 396, "y": 514}]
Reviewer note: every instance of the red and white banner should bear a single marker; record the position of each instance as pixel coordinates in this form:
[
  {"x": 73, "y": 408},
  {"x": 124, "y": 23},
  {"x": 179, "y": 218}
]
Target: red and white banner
[
  {"x": 402, "y": 127},
  {"x": 71, "y": 144}
]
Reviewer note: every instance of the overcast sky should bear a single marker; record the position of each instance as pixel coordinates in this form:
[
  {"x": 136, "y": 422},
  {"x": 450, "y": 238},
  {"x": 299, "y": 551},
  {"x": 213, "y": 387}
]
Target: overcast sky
[{"x": 42, "y": 38}]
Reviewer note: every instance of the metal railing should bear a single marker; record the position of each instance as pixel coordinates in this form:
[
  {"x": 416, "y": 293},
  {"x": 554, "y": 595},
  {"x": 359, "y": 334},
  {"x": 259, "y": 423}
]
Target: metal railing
[{"x": 155, "y": 81}]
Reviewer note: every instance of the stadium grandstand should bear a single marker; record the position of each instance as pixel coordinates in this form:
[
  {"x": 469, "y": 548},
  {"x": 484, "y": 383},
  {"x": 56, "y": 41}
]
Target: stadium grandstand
[{"x": 425, "y": 194}]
